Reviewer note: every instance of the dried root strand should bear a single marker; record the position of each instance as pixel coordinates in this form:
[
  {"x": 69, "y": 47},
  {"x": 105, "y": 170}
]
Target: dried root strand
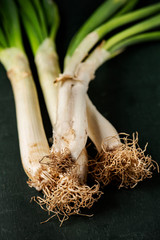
[
  {"x": 51, "y": 167},
  {"x": 45, "y": 176},
  {"x": 61, "y": 162},
  {"x": 68, "y": 197},
  {"x": 63, "y": 194},
  {"x": 126, "y": 164}
]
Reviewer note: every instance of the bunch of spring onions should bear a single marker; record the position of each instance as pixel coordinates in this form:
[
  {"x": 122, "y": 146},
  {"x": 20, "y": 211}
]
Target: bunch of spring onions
[{"x": 61, "y": 172}]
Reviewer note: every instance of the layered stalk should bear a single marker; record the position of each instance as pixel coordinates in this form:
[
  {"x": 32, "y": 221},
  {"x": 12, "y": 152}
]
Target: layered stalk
[
  {"x": 32, "y": 139},
  {"x": 71, "y": 130},
  {"x": 71, "y": 188}
]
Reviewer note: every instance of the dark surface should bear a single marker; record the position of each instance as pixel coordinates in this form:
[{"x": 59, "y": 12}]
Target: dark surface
[{"x": 127, "y": 91}]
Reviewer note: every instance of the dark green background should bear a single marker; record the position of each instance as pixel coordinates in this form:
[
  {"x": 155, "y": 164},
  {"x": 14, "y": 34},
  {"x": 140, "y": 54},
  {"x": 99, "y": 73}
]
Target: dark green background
[{"x": 127, "y": 92}]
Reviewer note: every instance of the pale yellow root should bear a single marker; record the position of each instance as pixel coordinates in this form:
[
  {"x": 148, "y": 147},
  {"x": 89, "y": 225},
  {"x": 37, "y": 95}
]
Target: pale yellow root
[
  {"x": 126, "y": 163},
  {"x": 63, "y": 194}
]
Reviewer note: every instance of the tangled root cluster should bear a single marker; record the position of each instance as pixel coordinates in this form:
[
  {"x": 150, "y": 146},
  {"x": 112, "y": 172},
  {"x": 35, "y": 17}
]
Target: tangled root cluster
[
  {"x": 63, "y": 194},
  {"x": 52, "y": 166},
  {"x": 126, "y": 163},
  {"x": 68, "y": 197},
  {"x": 59, "y": 162}
]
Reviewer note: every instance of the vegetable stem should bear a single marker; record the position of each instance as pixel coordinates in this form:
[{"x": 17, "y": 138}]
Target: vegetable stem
[
  {"x": 33, "y": 142},
  {"x": 46, "y": 61}
]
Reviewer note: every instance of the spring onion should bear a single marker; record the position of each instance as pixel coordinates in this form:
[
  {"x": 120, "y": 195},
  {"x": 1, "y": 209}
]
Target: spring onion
[
  {"x": 78, "y": 118},
  {"x": 61, "y": 172},
  {"x": 32, "y": 139},
  {"x": 68, "y": 176},
  {"x": 82, "y": 69}
]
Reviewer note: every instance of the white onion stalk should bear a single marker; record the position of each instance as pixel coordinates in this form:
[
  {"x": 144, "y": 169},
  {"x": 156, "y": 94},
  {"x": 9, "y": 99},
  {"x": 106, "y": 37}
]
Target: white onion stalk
[
  {"x": 46, "y": 60},
  {"x": 71, "y": 128},
  {"x": 32, "y": 139},
  {"x": 99, "y": 128},
  {"x": 71, "y": 125},
  {"x": 84, "y": 73},
  {"x": 70, "y": 131},
  {"x": 71, "y": 174}
]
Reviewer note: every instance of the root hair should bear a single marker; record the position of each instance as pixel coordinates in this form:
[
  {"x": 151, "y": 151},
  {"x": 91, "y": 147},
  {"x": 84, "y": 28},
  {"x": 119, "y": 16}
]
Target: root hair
[
  {"x": 63, "y": 194},
  {"x": 126, "y": 163}
]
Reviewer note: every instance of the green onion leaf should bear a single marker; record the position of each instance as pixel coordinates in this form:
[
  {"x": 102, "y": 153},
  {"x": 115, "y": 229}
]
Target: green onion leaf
[
  {"x": 52, "y": 17},
  {"x": 10, "y": 23},
  {"x": 127, "y": 8},
  {"x": 32, "y": 33},
  {"x": 40, "y": 15},
  {"x": 127, "y": 18},
  {"x": 40, "y": 19},
  {"x": 137, "y": 28},
  {"x": 29, "y": 14},
  {"x": 144, "y": 37}
]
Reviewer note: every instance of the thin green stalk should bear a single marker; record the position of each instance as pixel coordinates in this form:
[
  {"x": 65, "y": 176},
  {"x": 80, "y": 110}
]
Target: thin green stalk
[
  {"x": 127, "y": 8},
  {"x": 29, "y": 15},
  {"x": 144, "y": 37},
  {"x": 104, "y": 12},
  {"x": 34, "y": 39},
  {"x": 138, "y": 28},
  {"x": 40, "y": 15},
  {"x": 127, "y": 18}
]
